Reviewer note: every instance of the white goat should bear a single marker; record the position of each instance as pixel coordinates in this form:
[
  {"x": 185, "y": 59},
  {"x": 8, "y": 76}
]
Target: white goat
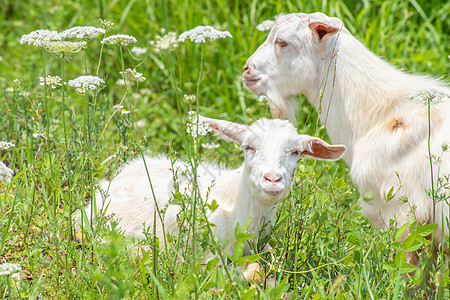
[
  {"x": 271, "y": 147},
  {"x": 366, "y": 104}
]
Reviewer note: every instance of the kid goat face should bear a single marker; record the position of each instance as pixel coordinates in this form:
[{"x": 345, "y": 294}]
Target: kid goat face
[{"x": 272, "y": 149}]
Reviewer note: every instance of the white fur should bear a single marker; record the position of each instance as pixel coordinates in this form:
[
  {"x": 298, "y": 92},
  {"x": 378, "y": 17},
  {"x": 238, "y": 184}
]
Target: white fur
[
  {"x": 366, "y": 104},
  {"x": 271, "y": 147}
]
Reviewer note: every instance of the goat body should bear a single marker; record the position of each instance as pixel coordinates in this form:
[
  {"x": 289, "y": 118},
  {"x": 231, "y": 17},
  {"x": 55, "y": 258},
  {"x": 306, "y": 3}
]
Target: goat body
[
  {"x": 390, "y": 121},
  {"x": 271, "y": 148}
]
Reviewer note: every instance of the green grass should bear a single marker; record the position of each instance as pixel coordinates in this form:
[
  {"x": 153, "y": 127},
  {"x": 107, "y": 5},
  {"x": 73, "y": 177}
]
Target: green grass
[{"x": 323, "y": 247}]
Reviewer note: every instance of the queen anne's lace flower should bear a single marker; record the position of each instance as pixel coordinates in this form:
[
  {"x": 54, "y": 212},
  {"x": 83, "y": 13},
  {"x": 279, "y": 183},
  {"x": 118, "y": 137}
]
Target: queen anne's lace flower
[
  {"x": 133, "y": 75},
  {"x": 210, "y": 145},
  {"x": 189, "y": 98},
  {"x": 86, "y": 84},
  {"x": 165, "y": 42},
  {"x": 82, "y": 32},
  {"x": 430, "y": 95},
  {"x": 138, "y": 51},
  {"x": 106, "y": 24},
  {"x": 194, "y": 127},
  {"x": 5, "y": 174},
  {"x": 5, "y": 145},
  {"x": 40, "y": 37},
  {"x": 122, "y": 39},
  {"x": 265, "y": 26},
  {"x": 51, "y": 81},
  {"x": 201, "y": 33},
  {"x": 64, "y": 46},
  {"x": 8, "y": 268}
]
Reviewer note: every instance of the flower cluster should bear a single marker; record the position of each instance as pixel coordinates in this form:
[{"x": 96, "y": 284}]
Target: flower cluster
[
  {"x": 210, "y": 145},
  {"x": 133, "y": 75},
  {"x": 82, "y": 32},
  {"x": 5, "y": 174},
  {"x": 52, "y": 82},
  {"x": 86, "y": 84},
  {"x": 165, "y": 41},
  {"x": 189, "y": 98},
  {"x": 138, "y": 51},
  {"x": 39, "y": 38},
  {"x": 122, "y": 39},
  {"x": 64, "y": 46},
  {"x": 430, "y": 95},
  {"x": 106, "y": 24},
  {"x": 266, "y": 25},
  {"x": 194, "y": 127},
  {"x": 201, "y": 33},
  {"x": 5, "y": 145},
  {"x": 8, "y": 268}
]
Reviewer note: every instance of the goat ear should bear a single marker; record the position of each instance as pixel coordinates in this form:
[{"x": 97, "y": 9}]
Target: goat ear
[
  {"x": 317, "y": 148},
  {"x": 322, "y": 30},
  {"x": 225, "y": 130}
]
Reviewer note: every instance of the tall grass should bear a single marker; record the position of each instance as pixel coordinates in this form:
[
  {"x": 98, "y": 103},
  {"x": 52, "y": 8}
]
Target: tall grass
[{"x": 323, "y": 248}]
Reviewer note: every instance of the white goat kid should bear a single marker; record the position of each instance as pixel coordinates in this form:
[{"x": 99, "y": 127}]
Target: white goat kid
[
  {"x": 377, "y": 111},
  {"x": 272, "y": 149}
]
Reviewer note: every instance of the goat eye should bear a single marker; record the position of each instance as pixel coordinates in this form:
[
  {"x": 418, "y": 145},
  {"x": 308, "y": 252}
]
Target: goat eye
[
  {"x": 295, "y": 153},
  {"x": 281, "y": 43},
  {"x": 248, "y": 148}
]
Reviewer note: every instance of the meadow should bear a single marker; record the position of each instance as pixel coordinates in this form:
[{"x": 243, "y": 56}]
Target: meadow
[{"x": 63, "y": 140}]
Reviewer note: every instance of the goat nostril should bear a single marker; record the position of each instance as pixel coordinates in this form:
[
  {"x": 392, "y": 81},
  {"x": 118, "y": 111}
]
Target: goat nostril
[
  {"x": 274, "y": 178},
  {"x": 246, "y": 67}
]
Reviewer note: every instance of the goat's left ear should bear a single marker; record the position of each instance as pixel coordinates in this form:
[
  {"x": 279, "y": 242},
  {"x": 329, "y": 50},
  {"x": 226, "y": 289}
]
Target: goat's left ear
[
  {"x": 317, "y": 148},
  {"x": 322, "y": 30},
  {"x": 225, "y": 130}
]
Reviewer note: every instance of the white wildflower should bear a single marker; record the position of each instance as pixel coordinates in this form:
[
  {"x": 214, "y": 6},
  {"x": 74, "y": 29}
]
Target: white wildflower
[
  {"x": 52, "y": 82},
  {"x": 189, "y": 98},
  {"x": 118, "y": 106},
  {"x": 210, "y": 145},
  {"x": 133, "y": 75},
  {"x": 194, "y": 127},
  {"x": 86, "y": 84},
  {"x": 122, "y": 39},
  {"x": 429, "y": 95},
  {"x": 165, "y": 42},
  {"x": 124, "y": 112},
  {"x": 120, "y": 82},
  {"x": 200, "y": 33},
  {"x": 64, "y": 46},
  {"x": 106, "y": 24},
  {"x": 82, "y": 32},
  {"x": 9, "y": 90},
  {"x": 141, "y": 123},
  {"x": 138, "y": 51},
  {"x": 5, "y": 145},
  {"x": 40, "y": 37},
  {"x": 262, "y": 99},
  {"x": 1, "y": 58},
  {"x": 36, "y": 134},
  {"x": 8, "y": 268},
  {"x": 24, "y": 94},
  {"x": 5, "y": 175},
  {"x": 266, "y": 25}
]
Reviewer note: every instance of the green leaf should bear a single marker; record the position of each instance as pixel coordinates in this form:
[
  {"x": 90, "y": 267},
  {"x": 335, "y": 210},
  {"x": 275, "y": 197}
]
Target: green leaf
[
  {"x": 213, "y": 206},
  {"x": 388, "y": 266},
  {"x": 406, "y": 268},
  {"x": 426, "y": 229},
  {"x": 401, "y": 231},
  {"x": 249, "y": 294},
  {"x": 354, "y": 240},
  {"x": 414, "y": 246}
]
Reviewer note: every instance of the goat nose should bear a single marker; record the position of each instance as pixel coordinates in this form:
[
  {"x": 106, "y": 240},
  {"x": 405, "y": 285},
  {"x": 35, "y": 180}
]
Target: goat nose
[
  {"x": 273, "y": 177},
  {"x": 249, "y": 65}
]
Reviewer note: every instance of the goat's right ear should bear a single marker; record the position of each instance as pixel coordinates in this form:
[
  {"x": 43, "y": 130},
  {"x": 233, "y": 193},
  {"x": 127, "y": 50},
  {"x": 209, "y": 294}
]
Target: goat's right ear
[
  {"x": 322, "y": 30},
  {"x": 225, "y": 130},
  {"x": 318, "y": 148}
]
